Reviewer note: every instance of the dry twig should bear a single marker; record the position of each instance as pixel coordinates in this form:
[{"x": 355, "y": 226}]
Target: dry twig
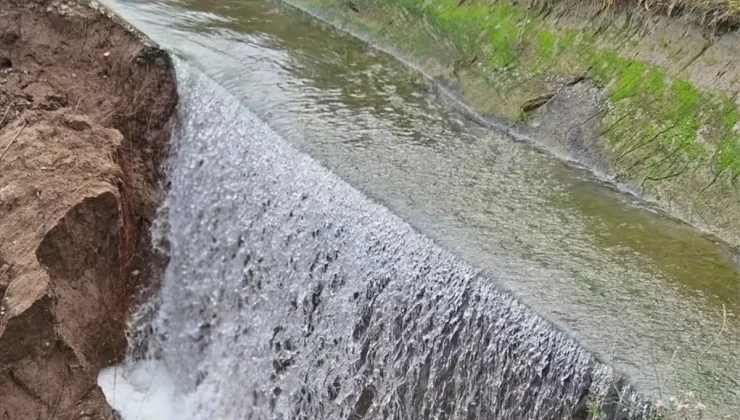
[
  {"x": 2, "y": 120},
  {"x": 13, "y": 140}
]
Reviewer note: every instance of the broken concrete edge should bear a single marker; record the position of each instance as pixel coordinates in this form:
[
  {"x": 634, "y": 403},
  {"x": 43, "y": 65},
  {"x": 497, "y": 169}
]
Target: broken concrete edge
[{"x": 665, "y": 124}]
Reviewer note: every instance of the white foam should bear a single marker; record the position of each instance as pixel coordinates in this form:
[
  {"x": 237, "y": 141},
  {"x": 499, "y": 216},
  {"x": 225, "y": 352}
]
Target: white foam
[{"x": 140, "y": 391}]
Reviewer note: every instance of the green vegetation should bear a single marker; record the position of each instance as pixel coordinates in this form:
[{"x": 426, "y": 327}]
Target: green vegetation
[
  {"x": 501, "y": 38},
  {"x": 661, "y": 134},
  {"x": 665, "y": 115}
]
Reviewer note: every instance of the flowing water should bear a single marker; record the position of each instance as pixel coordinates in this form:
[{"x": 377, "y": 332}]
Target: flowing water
[{"x": 289, "y": 294}]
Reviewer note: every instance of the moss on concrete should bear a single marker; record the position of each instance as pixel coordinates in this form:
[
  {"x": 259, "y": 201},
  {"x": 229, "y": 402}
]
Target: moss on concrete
[{"x": 669, "y": 137}]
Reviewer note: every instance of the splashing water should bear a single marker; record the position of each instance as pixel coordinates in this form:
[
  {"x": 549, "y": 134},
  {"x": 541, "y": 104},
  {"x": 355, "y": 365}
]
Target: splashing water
[
  {"x": 291, "y": 295},
  {"x": 142, "y": 390}
]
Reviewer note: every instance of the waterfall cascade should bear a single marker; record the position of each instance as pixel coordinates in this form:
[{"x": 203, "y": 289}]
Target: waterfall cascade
[{"x": 289, "y": 294}]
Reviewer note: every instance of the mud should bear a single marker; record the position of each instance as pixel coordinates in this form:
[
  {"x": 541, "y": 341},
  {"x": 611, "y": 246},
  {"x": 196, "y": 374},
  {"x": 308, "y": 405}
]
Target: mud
[
  {"x": 568, "y": 123},
  {"x": 85, "y": 114}
]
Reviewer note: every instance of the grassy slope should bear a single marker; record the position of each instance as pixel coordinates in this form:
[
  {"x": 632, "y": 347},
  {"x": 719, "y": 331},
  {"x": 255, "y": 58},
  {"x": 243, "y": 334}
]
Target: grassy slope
[{"x": 663, "y": 135}]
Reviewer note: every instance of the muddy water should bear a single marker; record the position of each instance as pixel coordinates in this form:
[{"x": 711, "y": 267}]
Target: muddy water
[{"x": 649, "y": 296}]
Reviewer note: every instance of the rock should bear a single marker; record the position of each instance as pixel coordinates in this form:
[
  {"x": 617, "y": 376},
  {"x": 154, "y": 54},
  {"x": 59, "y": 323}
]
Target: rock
[{"x": 77, "y": 122}]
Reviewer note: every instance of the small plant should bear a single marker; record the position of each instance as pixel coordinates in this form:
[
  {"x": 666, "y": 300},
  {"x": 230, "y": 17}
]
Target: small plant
[
  {"x": 734, "y": 7},
  {"x": 596, "y": 411}
]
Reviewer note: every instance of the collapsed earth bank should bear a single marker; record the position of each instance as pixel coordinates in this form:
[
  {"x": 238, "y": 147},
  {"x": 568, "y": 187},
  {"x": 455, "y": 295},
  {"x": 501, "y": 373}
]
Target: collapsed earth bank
[{"x": 85, "y": 114}]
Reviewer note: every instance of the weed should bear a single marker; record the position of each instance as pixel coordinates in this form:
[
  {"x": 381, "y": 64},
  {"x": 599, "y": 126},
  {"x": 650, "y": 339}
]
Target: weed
[
  {"x": 597, "y": 411},
  {"x": 547, "y": 44}
]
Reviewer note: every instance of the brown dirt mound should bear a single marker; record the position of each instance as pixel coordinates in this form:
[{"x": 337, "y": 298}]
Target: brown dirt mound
[{"x": 85, "y": 109}]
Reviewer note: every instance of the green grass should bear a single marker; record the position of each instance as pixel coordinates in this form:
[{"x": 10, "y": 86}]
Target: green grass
[
  {"x": 515, "y": 48},
  {"x": 662, "y": 134}
]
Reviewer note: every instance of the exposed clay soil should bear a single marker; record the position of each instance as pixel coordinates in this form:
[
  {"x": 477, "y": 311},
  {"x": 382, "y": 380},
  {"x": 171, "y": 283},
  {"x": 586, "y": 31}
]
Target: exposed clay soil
[{"x": 85, "y": 111}]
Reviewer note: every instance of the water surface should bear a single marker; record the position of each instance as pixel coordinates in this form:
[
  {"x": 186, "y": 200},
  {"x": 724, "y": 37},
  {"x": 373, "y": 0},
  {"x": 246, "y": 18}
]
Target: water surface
[{"x": 650, "y": 296}]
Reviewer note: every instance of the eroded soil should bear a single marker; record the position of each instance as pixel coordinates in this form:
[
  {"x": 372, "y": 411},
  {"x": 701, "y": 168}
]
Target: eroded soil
[{"x": 85, "y": 109}]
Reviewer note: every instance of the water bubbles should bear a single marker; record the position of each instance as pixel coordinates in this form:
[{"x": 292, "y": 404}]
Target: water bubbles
[{"x": 329, "y": 306}]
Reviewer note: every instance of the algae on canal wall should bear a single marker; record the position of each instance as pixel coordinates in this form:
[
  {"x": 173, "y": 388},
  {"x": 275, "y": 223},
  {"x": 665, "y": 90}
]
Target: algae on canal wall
[{"x": 646, "y": 100}]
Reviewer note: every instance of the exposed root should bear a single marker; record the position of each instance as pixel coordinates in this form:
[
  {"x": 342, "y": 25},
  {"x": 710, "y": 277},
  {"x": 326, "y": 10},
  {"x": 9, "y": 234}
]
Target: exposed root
[{"x": 85, "y": 131}]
